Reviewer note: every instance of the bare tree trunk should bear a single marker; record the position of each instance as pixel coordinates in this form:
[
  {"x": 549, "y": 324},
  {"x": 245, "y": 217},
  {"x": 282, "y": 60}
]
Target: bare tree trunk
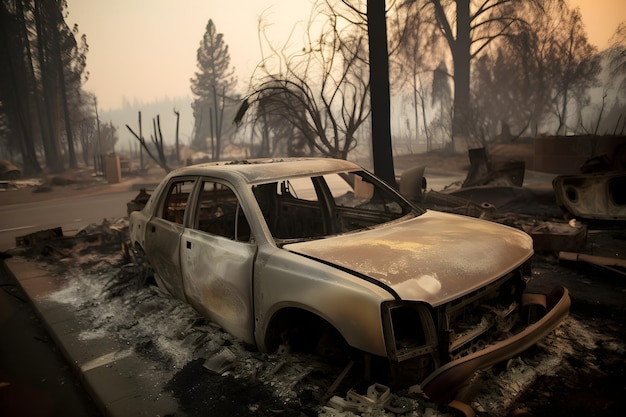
[
  {"x": 219, "y": 113},
  {"x": 12, "y": 43},
  {"x": 461, "y": 54},
  {"x": 141, "y": 163},
  {"x": 48, "y": 99},
  {"x": 157, "y": 140},
  {"x": 429, "y": 139},
  {"x": 212, "y": 133},
  {"x": 562, "y": 129},
  {"x": 177, "y": 144},
  {"x": 63, "y": 88},
  {"x": 415, "y": 109},
  {"x": 379, "y": 91},
  {"x": 264, "y": 150}
]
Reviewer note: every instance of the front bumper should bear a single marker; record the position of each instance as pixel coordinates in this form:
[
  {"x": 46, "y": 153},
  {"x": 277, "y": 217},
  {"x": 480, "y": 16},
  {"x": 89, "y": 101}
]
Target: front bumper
[{"x": 442, "y": 385}]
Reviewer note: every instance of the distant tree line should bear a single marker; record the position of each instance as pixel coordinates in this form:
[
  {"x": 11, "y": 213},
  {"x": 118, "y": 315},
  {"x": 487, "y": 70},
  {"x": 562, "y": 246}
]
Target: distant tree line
[
  {"x": 472, "y": 71},
  {"x": 517, "y": 67},
  {"x": 47, "y": 121}
]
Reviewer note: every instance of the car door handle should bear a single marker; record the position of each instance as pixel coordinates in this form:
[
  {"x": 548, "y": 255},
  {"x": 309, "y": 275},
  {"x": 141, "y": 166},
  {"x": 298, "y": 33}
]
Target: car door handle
[{"x": 188, "y": 245}]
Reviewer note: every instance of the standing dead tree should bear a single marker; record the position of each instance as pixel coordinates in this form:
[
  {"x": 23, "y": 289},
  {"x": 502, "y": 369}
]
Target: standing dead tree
[
  {"x": 157, "y": 141},
  {"x": 176, "y": 137},
  {"x": 321, "y": 90}
]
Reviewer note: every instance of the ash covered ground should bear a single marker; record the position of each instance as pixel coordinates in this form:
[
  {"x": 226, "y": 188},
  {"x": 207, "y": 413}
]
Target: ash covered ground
[{"x": 578, "y": 370}]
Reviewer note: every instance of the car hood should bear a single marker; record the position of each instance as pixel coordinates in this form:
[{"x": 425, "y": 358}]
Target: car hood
[{"x": 434, "y": 257}]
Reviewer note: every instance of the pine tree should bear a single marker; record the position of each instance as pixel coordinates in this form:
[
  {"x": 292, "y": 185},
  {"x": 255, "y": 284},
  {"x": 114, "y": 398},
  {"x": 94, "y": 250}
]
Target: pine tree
[
  {"x": 42, "y": 77},
  {"x": 211, "y": 85},
  {"x": 18, "y": 115}
]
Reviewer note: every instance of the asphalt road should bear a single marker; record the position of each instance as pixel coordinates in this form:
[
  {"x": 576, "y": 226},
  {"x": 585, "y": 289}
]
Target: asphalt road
[
  {"x": 70, "y": 214},
  {"x": 35, "y": 379}
]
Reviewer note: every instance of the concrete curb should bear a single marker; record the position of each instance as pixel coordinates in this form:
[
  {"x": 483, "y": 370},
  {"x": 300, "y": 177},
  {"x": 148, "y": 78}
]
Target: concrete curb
[{"x": 118, "y": 380}]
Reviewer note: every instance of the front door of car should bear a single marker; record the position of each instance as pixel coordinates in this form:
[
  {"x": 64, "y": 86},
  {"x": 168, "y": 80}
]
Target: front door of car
[
  {"x": 217, "y": 259},
  {"x": 163, "y": 233}
]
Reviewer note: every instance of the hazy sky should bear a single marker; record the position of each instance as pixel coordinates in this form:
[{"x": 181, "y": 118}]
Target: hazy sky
[{"x": 146, "y": 49}]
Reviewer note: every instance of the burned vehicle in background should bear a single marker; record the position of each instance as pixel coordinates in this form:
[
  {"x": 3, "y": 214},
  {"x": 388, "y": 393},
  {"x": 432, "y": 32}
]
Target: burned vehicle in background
[{"x": 319, "y": 253}]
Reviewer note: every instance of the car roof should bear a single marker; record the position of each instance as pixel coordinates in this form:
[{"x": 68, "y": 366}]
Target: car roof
[{"x": 266, "y": 170}]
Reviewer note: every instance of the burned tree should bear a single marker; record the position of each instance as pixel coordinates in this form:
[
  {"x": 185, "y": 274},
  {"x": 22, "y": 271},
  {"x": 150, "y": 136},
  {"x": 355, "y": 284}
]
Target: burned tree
[
  {"x": 379, "y": 95},
  {"x": 321, "y": 90},
  {"x": 467, "y": 28},
  {"x": 617, "y": 57},
  {"x": 157, "y": 142},
  {"x": 43, "y": 67}
]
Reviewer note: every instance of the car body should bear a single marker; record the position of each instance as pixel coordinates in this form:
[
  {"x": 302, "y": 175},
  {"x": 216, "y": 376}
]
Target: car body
[
  {"x": 290, "y": 250},
  {"x": 596, "y": 196}
]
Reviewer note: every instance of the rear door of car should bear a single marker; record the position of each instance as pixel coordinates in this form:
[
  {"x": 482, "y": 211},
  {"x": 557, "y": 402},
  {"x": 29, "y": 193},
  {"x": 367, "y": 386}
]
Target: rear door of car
[
  {"x": 163, "y": 232},
  {"x": 217, "y": 258}
]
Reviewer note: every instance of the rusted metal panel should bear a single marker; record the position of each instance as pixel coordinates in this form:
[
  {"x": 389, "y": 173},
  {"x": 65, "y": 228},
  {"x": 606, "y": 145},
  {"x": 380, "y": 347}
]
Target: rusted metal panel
[{"x": 600, "y": 196}]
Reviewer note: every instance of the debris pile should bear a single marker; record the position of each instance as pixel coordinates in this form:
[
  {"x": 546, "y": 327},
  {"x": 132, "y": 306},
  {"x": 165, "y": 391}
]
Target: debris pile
[{"x": 208, "y": 370}]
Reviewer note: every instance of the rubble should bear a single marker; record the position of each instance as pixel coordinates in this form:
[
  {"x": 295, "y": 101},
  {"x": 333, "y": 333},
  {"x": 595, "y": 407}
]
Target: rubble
[
  {"x": 37, "y": 237},
  {"x": 112, "y": 302},
  {"x": 555, "y": 236},
  {"x": 484, "y": 171},
  {"x": 139, "y": 202},
  {"x": 8, "y": 171}
]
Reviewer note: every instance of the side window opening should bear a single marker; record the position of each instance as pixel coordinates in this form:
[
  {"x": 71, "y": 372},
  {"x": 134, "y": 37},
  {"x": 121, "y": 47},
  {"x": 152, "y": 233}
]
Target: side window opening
[
  {"x": 291, "y": 209},
  {"x": 313, "y": 207},
  {"x": 219, "y": 213},
  {"x": 176, "y": 200}
]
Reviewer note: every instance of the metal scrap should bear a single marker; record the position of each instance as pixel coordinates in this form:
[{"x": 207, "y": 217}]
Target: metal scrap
[
  {"x": 598, "y": 196},
  {"x": 378, "y": 397},
  {"x": 615, "y": 265},
  {"x": 598, "y": 192},
  {"x": 221, "y": 361},
  {"x": 555, "y": 236}
]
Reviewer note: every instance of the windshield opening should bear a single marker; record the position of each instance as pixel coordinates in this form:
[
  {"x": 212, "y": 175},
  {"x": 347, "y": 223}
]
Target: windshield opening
[{"x": 319, "y": 206}]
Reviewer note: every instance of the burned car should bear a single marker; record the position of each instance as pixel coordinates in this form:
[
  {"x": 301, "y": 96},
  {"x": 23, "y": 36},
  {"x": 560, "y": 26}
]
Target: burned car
[{"x": 318, "y": 253}]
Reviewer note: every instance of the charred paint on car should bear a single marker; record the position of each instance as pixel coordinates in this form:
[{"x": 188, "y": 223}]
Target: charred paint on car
[{"x": 298, "y": 250}]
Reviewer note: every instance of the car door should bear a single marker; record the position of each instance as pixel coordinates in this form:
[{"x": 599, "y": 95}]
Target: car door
[
  {"x": 163, "y": 233},
  {"x": 217, "y": 259}
]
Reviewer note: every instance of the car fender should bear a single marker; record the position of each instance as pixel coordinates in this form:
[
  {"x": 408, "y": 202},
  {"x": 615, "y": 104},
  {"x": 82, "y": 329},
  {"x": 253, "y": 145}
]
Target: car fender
[{"x": 351, "y": 305}]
